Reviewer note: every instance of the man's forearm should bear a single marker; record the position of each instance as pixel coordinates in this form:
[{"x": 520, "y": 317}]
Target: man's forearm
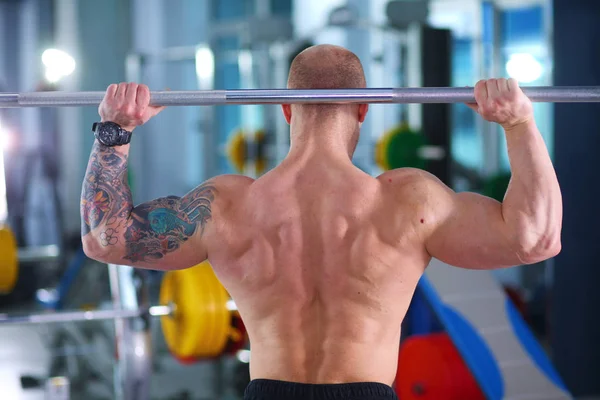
[
  {"x": 106, "y": 201},
  {"x": 532, "y": 207}
]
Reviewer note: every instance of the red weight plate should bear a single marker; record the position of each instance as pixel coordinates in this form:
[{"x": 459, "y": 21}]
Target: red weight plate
[{"x": 430, "y": 367}]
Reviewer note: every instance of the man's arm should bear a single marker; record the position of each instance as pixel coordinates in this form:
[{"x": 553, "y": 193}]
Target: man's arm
[
  {"x": 163, "y": 234},
  {"x": 474, "y": 231}
]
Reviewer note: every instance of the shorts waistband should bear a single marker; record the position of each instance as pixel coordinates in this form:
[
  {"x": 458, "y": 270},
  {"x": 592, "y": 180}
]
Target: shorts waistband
[{"x": 306, "y": 391}]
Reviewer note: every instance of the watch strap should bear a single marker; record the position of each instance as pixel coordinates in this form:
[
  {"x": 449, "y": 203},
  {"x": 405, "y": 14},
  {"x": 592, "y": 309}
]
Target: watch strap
[{"x": 124, "y": 137}]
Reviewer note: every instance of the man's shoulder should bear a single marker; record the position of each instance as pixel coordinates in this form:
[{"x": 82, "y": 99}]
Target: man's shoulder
[
  {"x": 225, "y": 190},
  {"x": 409, "y": 179},
  {"x": 229, "y": 186},
  {"x": 414, "y": 188},
  {"x": 417, "y": 192},
  {"x": 231, "y": 181}
]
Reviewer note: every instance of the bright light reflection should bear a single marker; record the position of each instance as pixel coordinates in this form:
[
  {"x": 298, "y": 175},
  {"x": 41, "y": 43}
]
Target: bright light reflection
[
  {"x": 58, "y": 64},
  {"x": 524, "y": 67},
  {"x": 205, "y": 63},
  {"x": 243, "y": 356}
]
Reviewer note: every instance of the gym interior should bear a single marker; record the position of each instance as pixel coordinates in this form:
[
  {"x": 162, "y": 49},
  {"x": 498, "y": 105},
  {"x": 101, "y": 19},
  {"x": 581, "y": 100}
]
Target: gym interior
[{"x": 74, "y": 328}]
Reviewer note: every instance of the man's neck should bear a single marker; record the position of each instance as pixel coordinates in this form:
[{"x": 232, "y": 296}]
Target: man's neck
[{"x": 332, "y": 141}]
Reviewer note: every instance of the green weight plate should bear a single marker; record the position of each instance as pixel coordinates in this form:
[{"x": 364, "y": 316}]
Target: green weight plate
[{"x": 403, "y": 150}]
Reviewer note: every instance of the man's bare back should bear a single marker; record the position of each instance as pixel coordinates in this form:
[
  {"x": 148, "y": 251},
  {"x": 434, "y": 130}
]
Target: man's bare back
[{"x": 322, "y": 259}]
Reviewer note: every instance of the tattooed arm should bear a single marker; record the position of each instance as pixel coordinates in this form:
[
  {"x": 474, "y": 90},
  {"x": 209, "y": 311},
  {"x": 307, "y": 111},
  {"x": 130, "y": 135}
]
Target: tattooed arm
[{"x": 164, "y": 233}]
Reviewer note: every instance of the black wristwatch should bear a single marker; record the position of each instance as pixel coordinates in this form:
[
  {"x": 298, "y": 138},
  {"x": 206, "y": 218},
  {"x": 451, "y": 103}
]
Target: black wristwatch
[{"x": 111, "y": 134}]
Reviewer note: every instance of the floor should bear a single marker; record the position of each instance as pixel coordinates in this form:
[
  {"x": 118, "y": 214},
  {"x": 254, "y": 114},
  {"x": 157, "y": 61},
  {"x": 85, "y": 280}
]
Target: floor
[{"x": 25, "y": 352}]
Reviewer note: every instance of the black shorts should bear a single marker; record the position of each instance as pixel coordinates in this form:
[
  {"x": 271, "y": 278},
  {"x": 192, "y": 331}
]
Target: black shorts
[{"x": 265, "y": 389}]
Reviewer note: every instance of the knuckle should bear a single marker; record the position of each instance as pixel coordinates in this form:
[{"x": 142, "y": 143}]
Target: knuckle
[{"x": 489, "y": 106}]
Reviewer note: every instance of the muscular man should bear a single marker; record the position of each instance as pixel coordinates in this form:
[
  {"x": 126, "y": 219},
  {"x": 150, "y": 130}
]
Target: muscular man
[{"x": 321, "y": 258}]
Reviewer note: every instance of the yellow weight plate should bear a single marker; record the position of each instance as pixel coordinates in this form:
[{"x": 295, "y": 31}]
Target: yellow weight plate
[
  {"x": 236, "y": 151},
  {"x": 206, "y": 345},
  {"x": 381, "y": 151},
  {"x": 218, "y": 317},
  {"x": 9, "y": 262},
  {"x": 200, "y": 325},
  {"x": 207, "y": 319},
  {"x": 223, "y": 331},
  {"x": 179, "y": 329}
]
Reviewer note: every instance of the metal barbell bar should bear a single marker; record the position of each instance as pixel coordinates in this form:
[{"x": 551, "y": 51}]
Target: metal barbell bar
[
  {"x": 550, "y": 94},
  {"x": 93, "y": 315}
]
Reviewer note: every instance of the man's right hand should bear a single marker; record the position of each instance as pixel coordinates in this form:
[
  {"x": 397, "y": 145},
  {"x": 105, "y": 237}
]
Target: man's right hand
[
  {"x": 127, "y": 104},
  {"x": 502, "y": 101}
]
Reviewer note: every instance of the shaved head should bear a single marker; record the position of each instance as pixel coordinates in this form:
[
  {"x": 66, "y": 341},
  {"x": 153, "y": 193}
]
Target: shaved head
[{"x": 326, "y": 67}]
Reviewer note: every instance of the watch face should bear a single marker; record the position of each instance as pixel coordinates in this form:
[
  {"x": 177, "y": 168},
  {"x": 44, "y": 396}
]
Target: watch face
[{"x": 109, "y": 134}]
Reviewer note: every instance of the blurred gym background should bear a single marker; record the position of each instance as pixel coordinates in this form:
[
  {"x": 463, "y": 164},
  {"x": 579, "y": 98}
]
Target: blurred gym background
[{"x": 85, "y": 45}]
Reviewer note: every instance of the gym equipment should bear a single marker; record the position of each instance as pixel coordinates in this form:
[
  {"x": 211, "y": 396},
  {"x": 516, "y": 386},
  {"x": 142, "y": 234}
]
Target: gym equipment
[
  {"x": 490, "y": 335},
  {"x": 76, "y": 316},
  {"x": 236, "y": 150},
  {"x": 36, "y": 254},
  {"x": 9, "y": 264},
  {"x": 199, "y": 319},
  {"x": 202, "y": 326},
  {"x": 82, "y": 353},
  {"x": 400, "y": 147},
  {"x": 430, "y": 367},
  {"x": 11, "y": 256},
  {"x": 566, "y": 94},
  {"x": 260, "y": 156},
  {"x": 54, "y": 298},
  {"x": 239, "y": 153}
]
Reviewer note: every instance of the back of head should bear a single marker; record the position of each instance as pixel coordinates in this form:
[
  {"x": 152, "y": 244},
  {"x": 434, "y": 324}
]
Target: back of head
[{"x": 326, "y": 67}]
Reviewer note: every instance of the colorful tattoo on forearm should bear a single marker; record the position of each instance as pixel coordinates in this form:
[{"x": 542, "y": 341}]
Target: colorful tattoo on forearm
[{"x": 105, "y": 197}]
